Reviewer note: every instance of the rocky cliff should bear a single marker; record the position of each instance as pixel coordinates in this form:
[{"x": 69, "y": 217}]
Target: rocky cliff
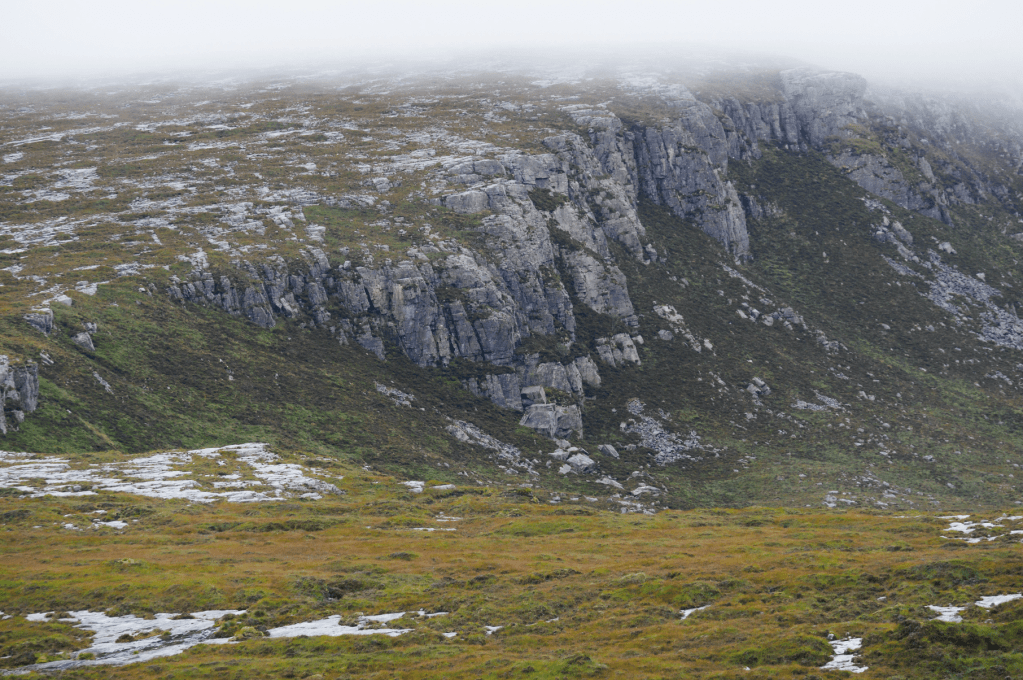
[
  {"x": 553, "y": 226},
  {"x": 677, "y": 272}
]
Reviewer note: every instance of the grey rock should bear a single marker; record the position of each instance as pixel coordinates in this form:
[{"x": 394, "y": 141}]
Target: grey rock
[
  {"x": 926, "y": 169},
  {"x": 789, "y": 315},
  {"x": 608, "y": 450},
  {"x": 468, "y": 202},
  {"x": 675, "y": 171},
  {"x": 668, "y": 447},
  {"x": 875, "y": 174},
  {"x": 825, "y": 104},
  {"x": 371, "y": 343},
  {"x": 601, "y": 288},
  {"x": 553, "y": 421},
  {"x": 646, "y": 489},
  {"x": 488, "y": 167},
  {"x": 570, "y": 419},
  {"x": 84, "y": 340},
  {"x": 550, "y": 374},
  {"x": 582, "y": 463},
  {"x": 102, "y": 382},
  {"x": 19, "y": 392},
  {"x": 575, "y": 378},
  {"x": 41, "y": 320},
  {"x": 588, "y": 371},
  {"x": 902, "y": 233},
  {"x": 533, "y": 395},
  {"x": 628, "y": 348},
  {"x": 504, "y": 390},
  {"x": 758, "y": 388}
]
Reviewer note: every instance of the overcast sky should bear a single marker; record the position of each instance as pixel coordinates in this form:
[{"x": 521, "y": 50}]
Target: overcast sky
[{"x": 957, "y": 41}]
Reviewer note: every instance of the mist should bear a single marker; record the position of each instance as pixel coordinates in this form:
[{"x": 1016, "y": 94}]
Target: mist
[{"x": 937, "y": 45}]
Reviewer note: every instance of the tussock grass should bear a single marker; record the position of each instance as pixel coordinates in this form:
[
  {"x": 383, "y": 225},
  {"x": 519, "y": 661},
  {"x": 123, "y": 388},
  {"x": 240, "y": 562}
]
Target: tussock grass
[{"x": 596, "y": 594}]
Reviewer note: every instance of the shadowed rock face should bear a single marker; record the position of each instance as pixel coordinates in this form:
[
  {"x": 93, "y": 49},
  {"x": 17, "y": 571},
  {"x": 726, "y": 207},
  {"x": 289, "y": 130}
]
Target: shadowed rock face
[{"x": 19, "y": 392}]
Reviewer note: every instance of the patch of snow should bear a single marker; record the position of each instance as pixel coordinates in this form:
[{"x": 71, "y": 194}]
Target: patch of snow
[
  {"x": 843, "y": 659},
  {"x": 332, "y": 627},
  {"x": 180, "y": 634},
  {"x": 115, "y": 524},
  {"x": 962, "y": 526},
  {"x": 995, "y": 600},
  {"x": 160, "y": 476},
  {"x": 433, "y": 529},
  {"x": 948, "y": 614},
  {"x": 686, "y": 613}
]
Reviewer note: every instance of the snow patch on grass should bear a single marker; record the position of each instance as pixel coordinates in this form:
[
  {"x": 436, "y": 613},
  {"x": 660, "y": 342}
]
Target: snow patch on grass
[
  {"x": 162, "y": 476},
  {"x": 843, "y": 659}
]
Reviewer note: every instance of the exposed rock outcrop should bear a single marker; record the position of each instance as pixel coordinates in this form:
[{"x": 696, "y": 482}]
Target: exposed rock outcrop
[
  {"x": 547, "y": 226},
  {"x": 19, "y": 392},
  {"x": 551, "y": 420},
  {"x": 41, "y": 320}
]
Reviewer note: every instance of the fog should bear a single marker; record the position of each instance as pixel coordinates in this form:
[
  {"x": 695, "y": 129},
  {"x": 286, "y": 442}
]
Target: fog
[{"x": 937, "y": 44}]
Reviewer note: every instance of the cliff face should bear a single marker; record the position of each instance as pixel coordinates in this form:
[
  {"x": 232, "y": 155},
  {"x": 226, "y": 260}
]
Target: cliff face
[{"x": 553, "y": 226}]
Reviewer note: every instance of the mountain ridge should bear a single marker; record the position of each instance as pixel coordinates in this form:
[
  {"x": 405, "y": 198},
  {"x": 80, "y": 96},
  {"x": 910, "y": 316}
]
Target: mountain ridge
[{"x": 546, "y": 268}]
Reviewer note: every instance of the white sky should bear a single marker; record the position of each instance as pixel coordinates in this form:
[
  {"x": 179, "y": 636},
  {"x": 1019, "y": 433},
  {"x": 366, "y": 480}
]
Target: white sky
[{"x": 961, "y": 40}]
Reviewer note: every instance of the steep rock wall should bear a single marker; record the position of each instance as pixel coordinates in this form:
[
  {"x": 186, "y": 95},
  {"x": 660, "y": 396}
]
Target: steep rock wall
[{"x": 19, "y": 393}]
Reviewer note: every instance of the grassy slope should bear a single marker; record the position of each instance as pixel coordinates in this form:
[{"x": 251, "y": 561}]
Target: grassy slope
[{"x": 188, "y": 376}]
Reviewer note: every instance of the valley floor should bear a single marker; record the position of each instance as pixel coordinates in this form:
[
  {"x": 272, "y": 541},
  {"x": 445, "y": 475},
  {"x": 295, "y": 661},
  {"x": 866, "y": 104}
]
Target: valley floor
[{"x": 493, "y": 582}]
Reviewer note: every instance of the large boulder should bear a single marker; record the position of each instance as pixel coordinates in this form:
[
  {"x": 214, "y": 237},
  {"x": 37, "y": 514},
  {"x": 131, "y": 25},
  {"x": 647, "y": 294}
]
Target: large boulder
[{"x": 553, "y": 421}]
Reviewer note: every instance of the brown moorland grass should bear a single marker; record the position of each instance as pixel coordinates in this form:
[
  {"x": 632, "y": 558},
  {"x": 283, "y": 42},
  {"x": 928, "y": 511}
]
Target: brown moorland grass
[{"x": 577, "y": 591}]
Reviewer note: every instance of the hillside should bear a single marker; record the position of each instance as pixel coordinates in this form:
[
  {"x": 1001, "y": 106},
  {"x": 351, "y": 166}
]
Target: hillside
[{"x": 574, "y": 300}]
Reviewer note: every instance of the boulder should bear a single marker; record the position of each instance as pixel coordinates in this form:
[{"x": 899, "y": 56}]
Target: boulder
[
  {"x": 533, "y": 395},
  {"x": 588, "y": 372},
  {"x": 41, "y": 320},
  {"x": 84, "y": 340},
  {"x": 553, "y": 421},
  {"x": 582, "y": 463},
  {"x": 468, "y": 202}
]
